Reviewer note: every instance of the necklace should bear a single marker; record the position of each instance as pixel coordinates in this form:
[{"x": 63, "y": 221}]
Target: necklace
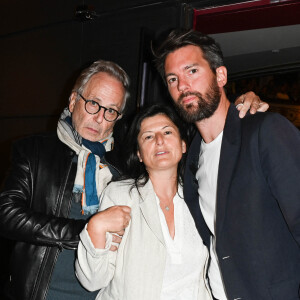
[{"x": 167, "y": 207}]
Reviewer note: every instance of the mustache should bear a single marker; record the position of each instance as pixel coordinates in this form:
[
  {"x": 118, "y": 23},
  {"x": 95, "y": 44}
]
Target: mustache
[{"x": 189, "y": 93}]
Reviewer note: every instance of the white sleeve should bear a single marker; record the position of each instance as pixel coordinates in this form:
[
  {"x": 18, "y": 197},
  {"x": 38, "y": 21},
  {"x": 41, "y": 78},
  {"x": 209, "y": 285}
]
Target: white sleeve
[{"x": 94, "y": 268}]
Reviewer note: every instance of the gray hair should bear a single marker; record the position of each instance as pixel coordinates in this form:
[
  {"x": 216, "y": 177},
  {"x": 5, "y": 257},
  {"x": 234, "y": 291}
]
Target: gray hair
[{"x": 99, "y": 66}]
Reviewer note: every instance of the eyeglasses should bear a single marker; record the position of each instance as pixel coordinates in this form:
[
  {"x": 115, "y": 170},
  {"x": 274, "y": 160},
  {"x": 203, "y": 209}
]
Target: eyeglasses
[{"x": 92, "y": 107}]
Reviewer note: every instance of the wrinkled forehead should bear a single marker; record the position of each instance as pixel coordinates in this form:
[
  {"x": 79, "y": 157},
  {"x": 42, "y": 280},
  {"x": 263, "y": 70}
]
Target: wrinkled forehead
[{"x": 106, "y": 89}]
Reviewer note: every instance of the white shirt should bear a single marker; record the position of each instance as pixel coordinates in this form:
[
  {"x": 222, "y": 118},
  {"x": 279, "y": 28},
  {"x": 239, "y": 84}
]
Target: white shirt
[
  {"x": 207, "y": 176},
  {"x": 185, "y": 260}
]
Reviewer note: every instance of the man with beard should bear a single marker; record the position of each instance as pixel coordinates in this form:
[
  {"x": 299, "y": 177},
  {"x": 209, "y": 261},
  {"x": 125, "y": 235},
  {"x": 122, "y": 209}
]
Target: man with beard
[{"x": 242, "y": 176}]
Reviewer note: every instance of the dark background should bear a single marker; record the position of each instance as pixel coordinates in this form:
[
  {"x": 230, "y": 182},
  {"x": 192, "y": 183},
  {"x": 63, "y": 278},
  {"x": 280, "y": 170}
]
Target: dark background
[{"x": 45, "y": 44}]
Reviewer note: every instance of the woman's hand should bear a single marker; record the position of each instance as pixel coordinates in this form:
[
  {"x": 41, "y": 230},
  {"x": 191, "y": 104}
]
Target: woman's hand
[{"x": 114, "y": 219}]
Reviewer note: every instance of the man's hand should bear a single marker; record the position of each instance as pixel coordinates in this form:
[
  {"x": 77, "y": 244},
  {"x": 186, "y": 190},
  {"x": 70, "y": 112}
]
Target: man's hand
[
  {"x": 114, "y": 219},
  {"x": 250, "y": 101}
]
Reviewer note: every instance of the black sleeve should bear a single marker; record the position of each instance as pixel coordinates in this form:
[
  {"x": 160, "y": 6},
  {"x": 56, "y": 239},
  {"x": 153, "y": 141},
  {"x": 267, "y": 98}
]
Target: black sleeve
[{"x": 22, "y": 216}]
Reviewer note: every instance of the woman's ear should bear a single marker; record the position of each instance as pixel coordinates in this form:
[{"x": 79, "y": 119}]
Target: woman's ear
[
  {"x": 139, "y": 156},
  {"x": 183, "y": 146}
]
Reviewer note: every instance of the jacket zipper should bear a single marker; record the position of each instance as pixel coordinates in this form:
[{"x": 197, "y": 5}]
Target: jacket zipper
[{"x": 60, "y": 248}]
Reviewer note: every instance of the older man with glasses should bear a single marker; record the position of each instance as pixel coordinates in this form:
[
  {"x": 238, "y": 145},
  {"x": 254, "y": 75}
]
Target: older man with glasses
[{"x": 54, "y": 186}]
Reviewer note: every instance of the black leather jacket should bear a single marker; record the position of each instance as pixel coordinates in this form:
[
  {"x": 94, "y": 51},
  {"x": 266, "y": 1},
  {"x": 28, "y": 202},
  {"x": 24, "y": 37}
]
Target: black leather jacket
[{"x": 34, "y": 209}]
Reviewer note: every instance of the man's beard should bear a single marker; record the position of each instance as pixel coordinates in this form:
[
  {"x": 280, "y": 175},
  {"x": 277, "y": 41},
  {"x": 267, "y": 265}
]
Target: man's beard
[{"x": 206, "y": 105}]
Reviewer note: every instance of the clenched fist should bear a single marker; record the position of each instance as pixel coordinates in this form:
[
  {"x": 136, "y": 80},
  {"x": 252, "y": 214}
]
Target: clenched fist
[{"x": 114, "y": 219}]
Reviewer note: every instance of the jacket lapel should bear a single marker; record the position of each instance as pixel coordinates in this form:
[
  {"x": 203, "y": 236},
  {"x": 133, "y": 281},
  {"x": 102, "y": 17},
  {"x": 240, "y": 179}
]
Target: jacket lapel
[
  {"x": 190, "y": 189},
  {"x": 229, "y": 154},
  {"x": 149, "y": 210}
]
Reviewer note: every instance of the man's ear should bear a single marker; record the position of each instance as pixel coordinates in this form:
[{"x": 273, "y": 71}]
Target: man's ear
[
  {"x": 72, "y": 101},
  {"x": 221, "y": 74},
  {"x": 139, "y": 156}
]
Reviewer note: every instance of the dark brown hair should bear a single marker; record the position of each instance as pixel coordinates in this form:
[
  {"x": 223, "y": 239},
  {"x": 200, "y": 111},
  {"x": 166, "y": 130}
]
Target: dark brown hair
[{"x": 179, "y": 38}]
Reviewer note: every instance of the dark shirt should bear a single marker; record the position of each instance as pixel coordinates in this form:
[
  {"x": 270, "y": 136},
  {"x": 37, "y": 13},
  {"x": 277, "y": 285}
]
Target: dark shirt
[{"x": 64, "y": 284}]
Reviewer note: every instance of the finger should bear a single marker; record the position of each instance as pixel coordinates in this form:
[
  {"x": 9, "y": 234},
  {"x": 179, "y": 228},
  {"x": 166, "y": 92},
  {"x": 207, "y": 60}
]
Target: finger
[
  {"x": 126, "y": 220},
  {"x": 116, "y": 239},
  {"x": 126, "y": 224},
  {"x": 113, "y": 248},
  {"x": 254, "y": 106},
  {"x": 239, "y": 101},
  {"x": 251, "y": 103},
  {"x": 125, "y": 208},
  {"x": 239, "y": 106},
  {"x": 121, "y": 232},
  {"x": 263, "y": 106},
  {"x": 243, "y": 110}
]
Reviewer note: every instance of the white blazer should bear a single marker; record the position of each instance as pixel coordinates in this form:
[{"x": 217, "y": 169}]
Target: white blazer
[{"x": 136, "y": 270}]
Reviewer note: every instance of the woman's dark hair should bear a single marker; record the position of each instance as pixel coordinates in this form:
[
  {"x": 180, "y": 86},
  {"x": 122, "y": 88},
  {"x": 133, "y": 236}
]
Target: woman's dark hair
[
  {"x": 179, "y": 38},
  {"x": 136, "y": 170}
]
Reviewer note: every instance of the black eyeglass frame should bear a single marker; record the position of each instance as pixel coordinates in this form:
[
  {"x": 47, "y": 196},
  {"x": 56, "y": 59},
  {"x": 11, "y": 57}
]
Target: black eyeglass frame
[{"x": 99, "y": 108}]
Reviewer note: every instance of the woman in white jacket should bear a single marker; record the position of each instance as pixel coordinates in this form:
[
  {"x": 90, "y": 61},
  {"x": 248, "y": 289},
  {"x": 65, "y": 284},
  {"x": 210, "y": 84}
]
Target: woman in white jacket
[{"x": 161, "y": 255}]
